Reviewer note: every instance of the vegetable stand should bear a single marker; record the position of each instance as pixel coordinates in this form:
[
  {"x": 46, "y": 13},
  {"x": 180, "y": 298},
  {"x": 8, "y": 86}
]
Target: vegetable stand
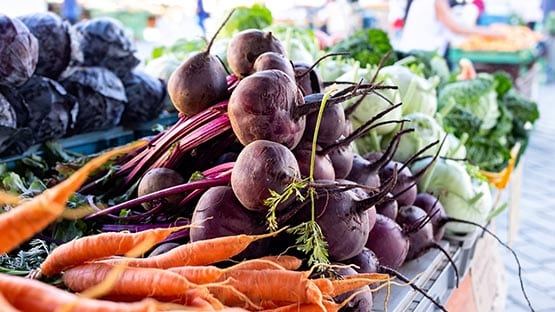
[
  {"x": 521, "y": 65},
  {"x": 244, "y": 164}
]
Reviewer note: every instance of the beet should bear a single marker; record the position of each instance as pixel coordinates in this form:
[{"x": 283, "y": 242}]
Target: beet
[
  {"x": 260, "y": 167},
  {"x": 219, "y": 213},
  {"x": 199, "y": 82},
  {"x": 344, "y": 216},
  {"x": 245, "y": 46},
  {"x": 263, "y": 106},
  {"x": 388, "y": 242},
  {"x": 433, "y": 207},
  {"x": 323, "y": 168},
  {"x": 273, "y": 60},
  {"x": 361, "y": 302},
  {"x": 310, "y": 82},
  {"x": 158, "y": 179},
  {"x": 331, "y": 124}
]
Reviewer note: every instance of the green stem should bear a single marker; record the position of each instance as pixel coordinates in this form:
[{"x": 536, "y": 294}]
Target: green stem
[{"x": 314, "y": 140}]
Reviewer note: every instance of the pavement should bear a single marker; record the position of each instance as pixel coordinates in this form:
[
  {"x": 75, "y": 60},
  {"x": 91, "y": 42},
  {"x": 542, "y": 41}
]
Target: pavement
[{"x": 534, "y": 243}]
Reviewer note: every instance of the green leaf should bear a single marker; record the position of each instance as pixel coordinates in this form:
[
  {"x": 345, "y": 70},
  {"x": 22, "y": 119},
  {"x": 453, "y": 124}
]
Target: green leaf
[
  {"x": 67, "y": 230},
  {"x": 311, "y": 241}
]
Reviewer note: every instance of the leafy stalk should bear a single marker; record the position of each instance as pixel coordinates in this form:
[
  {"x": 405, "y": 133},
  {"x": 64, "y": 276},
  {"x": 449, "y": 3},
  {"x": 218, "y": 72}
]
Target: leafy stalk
[
  {"x": 276, "y": 199},
  {"x": 311, "y": 240}
]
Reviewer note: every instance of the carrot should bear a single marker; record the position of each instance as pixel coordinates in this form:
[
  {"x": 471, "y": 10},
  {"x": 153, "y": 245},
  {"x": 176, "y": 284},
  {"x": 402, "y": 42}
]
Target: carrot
[
  {"x": 286, "y": 261},
  {"x": 276, "y": 285},
  {"x": 32, "y": 295},
  {"x": 5, "y": 306},
  {"x": 142, "y": 282},
  {"x": 342, "y": 286},
  {"x": 329, "y": 305},
  {"x": 21, "y": 223},
  {"x": 202, "y": 252},
  {"x": 201, "y": 274},
  {"x": 99, "y": 246}
]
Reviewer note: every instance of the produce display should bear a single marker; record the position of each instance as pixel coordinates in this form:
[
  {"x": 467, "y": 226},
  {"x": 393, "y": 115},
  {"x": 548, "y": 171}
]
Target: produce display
[
  {"x": 285, "y": 184},
  {"x": 517, "y": 38},
  {"x": 61, "y": 80}
]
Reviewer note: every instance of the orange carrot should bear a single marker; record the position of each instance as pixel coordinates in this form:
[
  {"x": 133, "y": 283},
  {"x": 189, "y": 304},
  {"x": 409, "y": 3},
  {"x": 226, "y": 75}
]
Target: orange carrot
[
  {"x": 32, "y": 295},
  {"x": 201, "y": 274},
  {"x": 330, "y": 305},
  {"x": 142, "y": 282},
  {"x": 202, "y": 252},
  {"x": 277, "y": 285},
  {"x": 22, "y": 222},
  {"x": 5, "y": 306},
  {"x": 341, "y": 286},
  {"x": 286, "y": 261},
  {"x": 99, "y": 246}
]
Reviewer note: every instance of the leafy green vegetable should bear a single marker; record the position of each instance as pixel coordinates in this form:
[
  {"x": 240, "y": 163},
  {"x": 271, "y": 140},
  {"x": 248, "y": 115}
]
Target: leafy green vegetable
[
  {"x": 418, "y": 94},
  {"x": 426, "y": 131},
  {"x": 503, "y": 83},
  {"x": 181, "y": 48},
  {"x": 257, "y": 16},
  {"x": 25, "y": 260},
  {"x": 477, "y": 96},
  {"x": 367, "y": 46},
  {"x": 426, "y": 63},
  {"x": 524, "y": 114}
]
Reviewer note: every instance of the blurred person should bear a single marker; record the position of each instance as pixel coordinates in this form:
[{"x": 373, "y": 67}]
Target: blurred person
[
  {"x": 71, "y": 11},
  {"x": 202, "y": 15},
  {"x": 430, "y": 25},
  {"x": 335, "y": 20}
]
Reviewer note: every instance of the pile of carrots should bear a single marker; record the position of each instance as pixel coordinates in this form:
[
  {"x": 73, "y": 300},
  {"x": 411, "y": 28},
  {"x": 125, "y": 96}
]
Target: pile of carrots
[{"x": 106, "y": 272}]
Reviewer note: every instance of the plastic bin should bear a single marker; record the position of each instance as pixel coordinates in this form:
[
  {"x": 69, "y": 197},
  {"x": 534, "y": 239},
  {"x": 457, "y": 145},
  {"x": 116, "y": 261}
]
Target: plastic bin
[{"x": 85, "y": 144}]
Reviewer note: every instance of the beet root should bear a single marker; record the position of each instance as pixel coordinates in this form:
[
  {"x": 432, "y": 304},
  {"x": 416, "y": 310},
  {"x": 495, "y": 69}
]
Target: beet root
[{"x": 260, "y": 167}]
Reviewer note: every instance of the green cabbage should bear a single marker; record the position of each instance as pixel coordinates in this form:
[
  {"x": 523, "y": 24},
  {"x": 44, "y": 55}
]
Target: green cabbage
[
  {"x": 418, "y": 94},
  {"x": 373, "y": 104},
  {"x": 426, "y": 131},
  {"x": 474, "y": 98}
]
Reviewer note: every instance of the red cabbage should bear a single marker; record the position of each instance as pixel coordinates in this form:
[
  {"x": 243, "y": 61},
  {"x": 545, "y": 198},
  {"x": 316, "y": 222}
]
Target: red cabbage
[
  {"x": 7, "y": 113},
  {"x": 145, "y": 97},
  {"x": 52, "y": 111},
  {"x": 57, "y": 40},
  {"x": 105, "y": 43},
  {"x": 101, "y": 98},
  {"x": 19, "y": 52}
]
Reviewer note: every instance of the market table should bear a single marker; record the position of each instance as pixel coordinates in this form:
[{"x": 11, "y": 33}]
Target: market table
[{"x": 521, "y": 65}]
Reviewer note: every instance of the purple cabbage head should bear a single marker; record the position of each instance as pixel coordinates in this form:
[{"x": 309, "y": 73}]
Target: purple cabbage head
[
  {"x": 52, "y": 111},
  {"x": 105, "y": 43},
  {"x": 145, "y": 97},
  {"x": 7, "y": 113},
  {"x": 19, "y": 52},
  {"x": 101, "y": 97},
  {"x": 58, "y": 43},
  {"x": 13, "y": 139}
]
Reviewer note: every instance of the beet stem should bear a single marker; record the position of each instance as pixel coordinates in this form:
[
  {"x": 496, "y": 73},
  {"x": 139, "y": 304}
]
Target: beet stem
[
  {"x": 449, "y": 219},
  {"x": 390, "y": 271},
  {"x": 449, "y": 258},
  {"x": 211, "y": 42},
  {"x": 206, "y": 183},
  {"x": 320, "y": 59}
]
